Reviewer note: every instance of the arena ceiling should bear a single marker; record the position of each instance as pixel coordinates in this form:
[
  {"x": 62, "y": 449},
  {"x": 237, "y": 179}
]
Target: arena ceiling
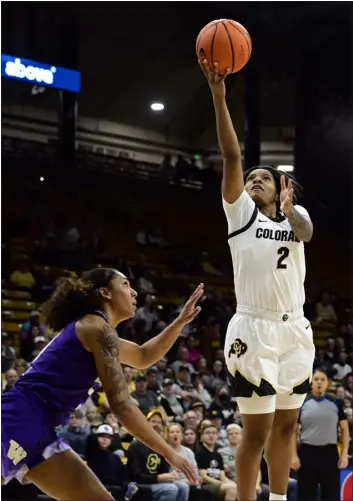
[{"x": 132, "y": 53}]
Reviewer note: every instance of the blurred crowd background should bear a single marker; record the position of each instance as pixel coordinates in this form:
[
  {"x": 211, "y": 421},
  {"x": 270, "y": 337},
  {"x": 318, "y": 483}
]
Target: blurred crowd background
[{"x": 76, "y": 196}]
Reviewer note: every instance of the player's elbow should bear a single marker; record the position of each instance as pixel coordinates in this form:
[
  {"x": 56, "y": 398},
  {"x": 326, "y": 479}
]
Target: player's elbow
[{"x": 143, "y": 359}]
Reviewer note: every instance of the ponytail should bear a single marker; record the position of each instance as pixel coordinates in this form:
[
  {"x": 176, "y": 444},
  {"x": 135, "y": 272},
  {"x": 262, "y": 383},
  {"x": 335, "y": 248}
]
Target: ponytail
[{"x": 74, "y": 298}]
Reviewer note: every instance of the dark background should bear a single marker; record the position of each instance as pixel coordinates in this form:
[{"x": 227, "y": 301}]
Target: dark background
[{"x": 131, "y": 53}]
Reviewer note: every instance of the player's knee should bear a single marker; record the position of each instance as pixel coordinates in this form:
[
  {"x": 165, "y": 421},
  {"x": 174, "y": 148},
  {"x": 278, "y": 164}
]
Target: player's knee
[
  {"x": 256, "y": 438},
  {"x": 285, "y": 429}
]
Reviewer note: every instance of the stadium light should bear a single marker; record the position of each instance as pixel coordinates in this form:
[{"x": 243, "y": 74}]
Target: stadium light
[
  {"x": 157, "y": 106},
  {"x": 286, "y": 168}
]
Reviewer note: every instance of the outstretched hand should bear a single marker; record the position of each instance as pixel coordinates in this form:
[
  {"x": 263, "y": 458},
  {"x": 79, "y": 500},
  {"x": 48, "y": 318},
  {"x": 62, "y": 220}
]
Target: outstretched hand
[
  {"x": 286, "y": 196},
  {"x": 190, "y": 310},
  {"x": 182, "y": 465},
  {"x": 215, "y": 80}
]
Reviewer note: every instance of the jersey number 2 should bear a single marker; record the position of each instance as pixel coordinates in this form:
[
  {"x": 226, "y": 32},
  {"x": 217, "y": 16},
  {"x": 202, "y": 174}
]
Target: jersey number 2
[{"x": 284, "y": 253}]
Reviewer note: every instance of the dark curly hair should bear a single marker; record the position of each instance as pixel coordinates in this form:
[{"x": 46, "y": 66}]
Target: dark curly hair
[
  {"x": 297, "y": 188},
  {"x": 74, "y": 298}
]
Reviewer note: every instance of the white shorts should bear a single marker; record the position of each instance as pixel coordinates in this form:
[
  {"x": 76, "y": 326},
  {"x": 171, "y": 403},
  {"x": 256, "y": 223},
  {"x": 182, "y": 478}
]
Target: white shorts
[{"x": 269, "y": 358}]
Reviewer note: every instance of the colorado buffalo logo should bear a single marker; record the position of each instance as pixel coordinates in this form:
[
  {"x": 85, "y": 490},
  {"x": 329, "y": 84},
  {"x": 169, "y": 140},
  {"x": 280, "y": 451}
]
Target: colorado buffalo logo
[{"x": 238, "y": 348}]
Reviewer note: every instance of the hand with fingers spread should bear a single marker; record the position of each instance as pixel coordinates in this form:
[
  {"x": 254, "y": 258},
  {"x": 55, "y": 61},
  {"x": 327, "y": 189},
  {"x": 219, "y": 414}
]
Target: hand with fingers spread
[
  {"x": 215, "y": 80},
  {"x": 190, "y": 310},
  {"x": 182, "y": 465},
  {"x": 286, "y": 197}
]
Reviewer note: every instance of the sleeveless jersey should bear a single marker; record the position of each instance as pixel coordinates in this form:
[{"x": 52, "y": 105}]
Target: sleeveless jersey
[
  {"x": 62, "y": 374},
  {"x": 268, "y": 259}
]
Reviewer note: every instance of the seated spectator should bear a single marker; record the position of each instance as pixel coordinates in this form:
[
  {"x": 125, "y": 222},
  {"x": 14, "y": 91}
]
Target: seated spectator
[
  {"x": 234, "y": 434},
  {"x": 147, "y": 312},
  {"x": 33, "y": 321},
  {"x": 129, "y": 378},
  {"x": 194, "y": 353},
  {"x": 11, "y": 377},
  {"x": 39, "y": 344},
  {"x": 116, "y": 445},
  {"x": 330, "y": 351},
  {"x": 211, "y": 467},
  {"x": 146, "y": 399},
  {"x": 124, "y": 268},
  {"x": 149, "y": 468},
  {"x": 201, "y": 366},
  {"x": 141, "y": 237},
  {"x": 145, "y": 285},
  {"x": 218, "y": 377},
  {"x": 340, "y": 393},
  {"x": 190, "y": 420},
  {"x": 190, "y": 438},
  {"x": 182, "y": 359},
  {"x": 348, "y": 386},
  {"x": 162, "y": 365},
  {"x": 155, "y": 237},
  {"x": 20, "y": 366},
  {"x": 321, "y": 362},
  {"x": 22, "y": 277},
  {"x": 216, "y": 418},
  {"x": 184, "y": 388},
  {"x": 175, "y": 437},
  {"x": 342, "y": 368},
  {"x": 199, "y": 409},
  {"x": 325, "y": 312},
  {"x": 223, "y": 405},
  {"x": 104, "y": 463},
  {"x": 8, "y": 354},
  {"x": 152, "y": 383},
  {"x": 93, "y": 418},
  {"x": 75, "y": 433},
  {"x": 171, "y": 403},
  {"x": 71, "y": 236}
]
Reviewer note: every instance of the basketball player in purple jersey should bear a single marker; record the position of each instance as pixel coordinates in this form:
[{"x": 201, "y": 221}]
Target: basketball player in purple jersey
[{"x": 86, "y": 311}]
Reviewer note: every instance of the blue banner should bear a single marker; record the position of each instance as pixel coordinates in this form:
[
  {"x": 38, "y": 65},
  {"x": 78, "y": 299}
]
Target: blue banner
[{"x": 40, "y": 74}]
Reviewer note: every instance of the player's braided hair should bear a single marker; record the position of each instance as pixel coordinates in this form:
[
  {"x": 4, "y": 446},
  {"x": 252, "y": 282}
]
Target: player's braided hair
[
  {"x": 74, "y": 298},
  {"x": 297, "y": 188}
]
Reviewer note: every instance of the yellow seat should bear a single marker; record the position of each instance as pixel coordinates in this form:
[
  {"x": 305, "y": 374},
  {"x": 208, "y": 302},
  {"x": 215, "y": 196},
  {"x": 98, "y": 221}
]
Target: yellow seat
[
  {"x": 8, "y": 293},
  {"x": 13, "y": 304},
  {"x": 11, "y": 327},
  {"x": 15, "y": 315}
]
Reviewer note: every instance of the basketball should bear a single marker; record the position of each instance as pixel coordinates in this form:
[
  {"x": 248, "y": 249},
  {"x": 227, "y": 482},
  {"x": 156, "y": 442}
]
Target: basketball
[{"x": 225, "y": 42}]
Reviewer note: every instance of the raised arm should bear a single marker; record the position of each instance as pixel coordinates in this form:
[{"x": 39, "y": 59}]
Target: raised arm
[
  {"x": 297, "y": 216},
  {"x": 232, "y": 181},
  {"x": 104, "y": 343}
]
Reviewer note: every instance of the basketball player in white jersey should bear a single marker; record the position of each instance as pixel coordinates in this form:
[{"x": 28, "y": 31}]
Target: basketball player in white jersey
[{"x": 269, "y": 347}]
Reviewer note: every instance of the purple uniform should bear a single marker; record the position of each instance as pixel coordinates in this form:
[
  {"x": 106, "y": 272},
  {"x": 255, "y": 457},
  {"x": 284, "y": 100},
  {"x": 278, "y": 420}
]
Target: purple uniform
[{"x": 57, "y": 381}]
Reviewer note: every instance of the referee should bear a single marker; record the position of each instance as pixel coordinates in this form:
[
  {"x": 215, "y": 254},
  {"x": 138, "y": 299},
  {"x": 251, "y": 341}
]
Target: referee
[{"x": 317, "y": 460}]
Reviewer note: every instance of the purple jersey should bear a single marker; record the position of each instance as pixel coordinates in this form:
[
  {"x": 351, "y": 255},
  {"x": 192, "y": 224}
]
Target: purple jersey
[{"x": 57, "y": 382}]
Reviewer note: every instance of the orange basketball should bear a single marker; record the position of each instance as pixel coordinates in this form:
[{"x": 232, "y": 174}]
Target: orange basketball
[{"x": 225, "y": 42}]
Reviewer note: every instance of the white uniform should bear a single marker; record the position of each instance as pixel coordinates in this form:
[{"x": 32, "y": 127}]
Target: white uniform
[{"x": 269, "y": 347}]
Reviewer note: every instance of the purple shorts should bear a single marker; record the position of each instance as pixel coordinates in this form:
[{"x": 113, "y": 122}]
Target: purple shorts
[{"x": 28, "y": 434}]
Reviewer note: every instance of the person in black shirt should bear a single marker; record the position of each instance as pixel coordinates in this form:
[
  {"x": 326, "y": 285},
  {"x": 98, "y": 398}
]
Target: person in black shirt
[
  {"x": 146, "y": 398},
  {"x": 211, "y": 466},
  {"x": 149, "y": 468},
  {"x": 104, "y": 463}
]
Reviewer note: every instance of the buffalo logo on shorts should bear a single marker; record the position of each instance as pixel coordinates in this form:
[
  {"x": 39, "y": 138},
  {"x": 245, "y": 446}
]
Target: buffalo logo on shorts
[{"x": 238, "y": 348}]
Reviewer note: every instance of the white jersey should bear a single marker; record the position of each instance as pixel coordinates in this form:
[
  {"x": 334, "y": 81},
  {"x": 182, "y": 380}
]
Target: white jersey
[{"x": 268, "y": 260}]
